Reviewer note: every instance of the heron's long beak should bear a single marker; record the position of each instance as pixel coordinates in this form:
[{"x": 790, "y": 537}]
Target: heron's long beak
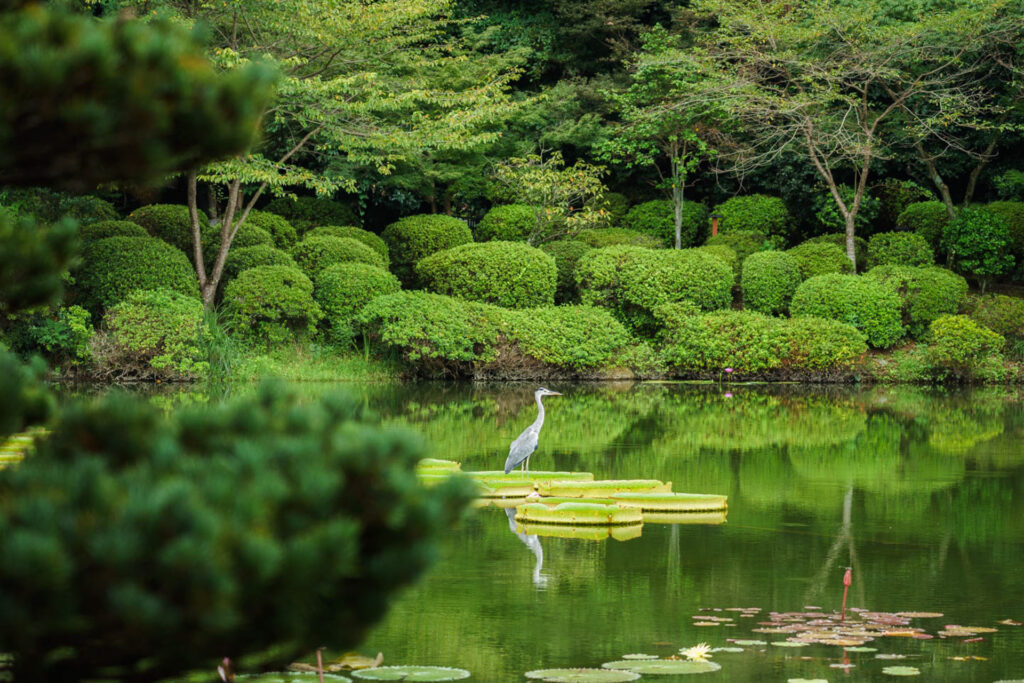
[{"x": 555, "y": 393}]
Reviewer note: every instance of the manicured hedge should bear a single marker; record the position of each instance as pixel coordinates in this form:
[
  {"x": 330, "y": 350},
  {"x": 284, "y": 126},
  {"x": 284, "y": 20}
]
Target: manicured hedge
[
  {"x": 343, "y": 289},
  {"x": 245, "y": 258},
  {"x": 820, "y": 258},
  {"x": 899, "y": 249},
  {"x": 171, "y": 223},
  {"x": 271, "y": 305},
  {"x": 1001, "y": 314},
  {"x": 162, "y": 329},
  {"x": 114, "y": 267},
  {"x": 927, "y": 293},
  {"x": 860, "y": 246},
  {"x": 978, "y": 244},
  {"x": 726, "y": 254},
  {"x": 894, "y": 197},
  {"x": 283, "y": 232},
  {"x": 822, "y": 344},
  {"x": 742, "y": 242},
  {"x": 959, "y": 343},
  {"x": 870, "y": 306},
  {"x": 365, "y": 236},
  {"x": 313, "y": 254},
  {"x": 610, "y": 237},
  {"x": 509, "y": 274},
  {"x": 927, "y": 219},
  {"x": 567, "y": 254},
  {"x": 657, "y": 218},
  {"x": 508, "y": 222},
  {"x": 633, "y": 281},
  {"x": 575, "y": 337},
  {"x": 310, "y": 212},
  {"x": 1013, "y": 214},
  {"x": 411, "y": 238},
  {"x": 769, "y": 280},
  {"x": 49, "y": 206},
  {"x": 248, "y": 235},
  {"x": 754, "y": 213},
  {"x": 104, "y": 229}
]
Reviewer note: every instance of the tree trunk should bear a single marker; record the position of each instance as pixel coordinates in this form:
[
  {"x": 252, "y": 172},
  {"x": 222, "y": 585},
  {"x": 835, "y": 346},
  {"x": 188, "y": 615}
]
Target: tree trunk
[
  {"x": 677, "y": 201},
  {"x": 972, "y": 180},
  {"x": 936, "y": 178},
  {"x": 850, "y": 219}
]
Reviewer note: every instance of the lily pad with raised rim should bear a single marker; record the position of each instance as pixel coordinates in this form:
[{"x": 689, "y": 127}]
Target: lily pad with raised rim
[
  {"x": 749, "y": 643},
  {"x": 421, "y": 674},
  {"x": 582, "y": 676},
  {"x": 901, "y": 671},
  {"x": 672, "y": 502},
  {"x": 665, "y": 667},
  {"x": 293, "y": 677},
  {"x": 578, "y": 513},
  {"x": 602, "y": 489}
]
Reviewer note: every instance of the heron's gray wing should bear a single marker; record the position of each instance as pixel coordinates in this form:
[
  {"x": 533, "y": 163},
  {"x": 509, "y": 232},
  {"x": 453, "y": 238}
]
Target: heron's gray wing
[{"x": 522, "y": 448}]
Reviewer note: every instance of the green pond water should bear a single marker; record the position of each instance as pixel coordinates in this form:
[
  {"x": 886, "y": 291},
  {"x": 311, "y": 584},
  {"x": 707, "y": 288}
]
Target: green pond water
[{"x": 920, "y": 491}]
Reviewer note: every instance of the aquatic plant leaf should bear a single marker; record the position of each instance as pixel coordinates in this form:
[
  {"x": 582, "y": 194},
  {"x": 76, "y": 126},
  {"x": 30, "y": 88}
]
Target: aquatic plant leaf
[
  {"x": 727, "y": 649},
  {"x": 857, "y": 648},
  {"x": 640, "y": 656},
  {"x": 807, "y": 680},
  {"x": 354, "y": 660},
  {"x": 292, "y": 677},
  {"x": 421, "y": 674},
  {"x": 578, "y": 513},
  {"x": 955, "y": 630},
  {"x": 534, "y": 476},
  {"x": 748, "y": 643},
  {"x": 919, "y": 615},
  {"x": 788, "y": 643},
  {"x": 582, "y": 675},
  {"x": 672, "y": 502},
  {"x": 890, "y": 656},
  {"x": 665, "y": 666},
  {"x": 600, "y": 489},
  {"x": 1010, "y": 622},
  {"x": 685, "y": 518},
  {"x": 901, "y": 671}
]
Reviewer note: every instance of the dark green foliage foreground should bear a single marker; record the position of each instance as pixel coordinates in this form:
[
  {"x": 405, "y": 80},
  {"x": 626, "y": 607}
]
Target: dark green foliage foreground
[{"x": 262, "y": 527}]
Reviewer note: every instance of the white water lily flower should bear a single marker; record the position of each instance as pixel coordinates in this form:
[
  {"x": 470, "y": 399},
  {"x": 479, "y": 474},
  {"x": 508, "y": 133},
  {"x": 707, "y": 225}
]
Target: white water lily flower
[{"x": 697, "y": 652}]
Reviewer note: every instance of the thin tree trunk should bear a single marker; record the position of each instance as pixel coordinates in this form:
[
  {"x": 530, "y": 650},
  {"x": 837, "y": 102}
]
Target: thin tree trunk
[
  {"x": 936, "y": 178},
  {"x": 677, "y": 201},
  {"x": 972, "y": 180},
  {"x": 197, "y": 236},
  {"x": 211, "y": 202}
]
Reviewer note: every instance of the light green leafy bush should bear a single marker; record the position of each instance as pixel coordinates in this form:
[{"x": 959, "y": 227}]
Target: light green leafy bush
[
  {"x": 769, "y": 280},
  {"x": 244, "y": 258},
  {"x": 158, "y": 332},
  {"x": 283, "y": 232},
  {"x": 104, "y": 229},
  {"x": 63, "y": 334},
  {"x": 1013, "y": 214},
  {"x": 507, "y": 222},
  {"x": 894, "y": 196},
  {"x": 114, "y": 267},
  {"x": 827, "y": 212},
  {"x": 657, "y": 218},
  {"x": 171, "y": 223},
  {"x": 724, "y": 253},
  {"x": 248, "y": 235},
  {"x": 632, "y": 281},
  {"x": 311, "y": 212},
  {"x": 313, "y": 254},
  {"x": 742, "y": 242},
  {"x": 365, "y": 236},
  {"x": 821, "y": 344},
  {"x": 343, "y": 289},
  {"x": 899, "y": 249},
  {"x": 978, "y": 244},
  {"x": 754, "y": 213},
  {"x": 575, "y": 337},
  {"x": 820, "y": 258},
  {"x": 927, "y": 219},
  {"x": 927, "y": 293},
  {"x": 271, "y": 305},
  {"x": 610, "y": 237},
  {"x": 509, "y": 274},
  {"x": 870, "y": 306},
  {"x": 958, "y": 343},
  {"x": 567, "y": 254},
  {"x": 860, "y": 246},
  {"x": 669, "y": 315},
  {"x": 1003, "y": 315},
  {"x": 411, "y": 238}
]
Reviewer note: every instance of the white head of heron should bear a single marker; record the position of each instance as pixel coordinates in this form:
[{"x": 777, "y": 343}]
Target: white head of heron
[{"x": 546, "y": 392}]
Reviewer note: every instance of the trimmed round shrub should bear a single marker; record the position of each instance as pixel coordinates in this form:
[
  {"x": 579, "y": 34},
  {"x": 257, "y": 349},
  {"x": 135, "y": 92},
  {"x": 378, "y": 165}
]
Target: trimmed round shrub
[
  {"x": 978, "y": 244},
  {"x": 872, "y": 307},
  {"x": 313, "y": 254},
  {"x": 927, "y": 219},
  {"x": 632, "y": 282},
  {"x": 574, "y": 337},
  {"x": 860, "y": 246},
  {"x": 114, "y": 267},
  {"x": 727, "y": 254},
  {"x": 927, "y": 293},
  {"x": 411, "y": 238},
  {"x": 271, "y": 305},
  {"x": 49, "y": 206},
  {"x": 250, "y": 257},
  {"x": 160, "y": 332},
  {"x": 1003, "y": 315},
  {"x": 616, "y": 205},
  {"x": 311, "y": 212},
  {"x": 280, "y": 229},
  {"x": 247, "y": 236},
  {"x": 746, "y": 341},
  {"x": 769, "y": 280},
  {"x": 610, "y": 237},
  {"x": 743, "y": 242},
  {"x": 657, "y": 218},
  {"x": 894, "y": 196},
  {"x": 959, "y": 343},
  {"x": 820, "y": 258},
  {"x": 899, "y": 249},
  {"x": 829, "y": 217},
  {"x": 343, "y": 289},
  {"x": 1013, "y": 214},
  {"x": 567, "y": 254},
  {"x": 365, "y": 236},
  {"x": 754, "y": 213},
  {"x": 821, "y": 344},
  {"x": 508, "y": 222},
  {"x": 171, "y": 223},
  {"x": 103, "y": 229},
  {"x": 509, "y": 274}
]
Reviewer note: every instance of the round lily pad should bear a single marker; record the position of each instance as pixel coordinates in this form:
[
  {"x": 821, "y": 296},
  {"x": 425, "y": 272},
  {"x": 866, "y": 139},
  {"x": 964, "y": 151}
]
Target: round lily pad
[
  {"x": 582, "y": 675},
  {"x": 639, "y": 656},
  {"x": 919, "y": 615},
  {"x": 901, "y": 671},
  {"x": 861, "y": 649},
  {"x": 748, "y": 643},
  {"x": 293, "y": 677},
  {"x": 807, "y": 680},
  {"x": 788, "y": 643},
  {"x": 665, "y": 666},
  {"x": 421, "y": 674},
  {"x": 727, "y": 649}
]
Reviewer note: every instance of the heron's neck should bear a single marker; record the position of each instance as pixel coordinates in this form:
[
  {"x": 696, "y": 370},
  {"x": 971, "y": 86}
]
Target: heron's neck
[{"x": 540, "y": 410}]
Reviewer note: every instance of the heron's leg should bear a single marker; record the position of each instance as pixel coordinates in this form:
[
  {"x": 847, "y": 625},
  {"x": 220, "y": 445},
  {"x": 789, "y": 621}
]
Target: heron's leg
[{"x": 527, "y": 464}]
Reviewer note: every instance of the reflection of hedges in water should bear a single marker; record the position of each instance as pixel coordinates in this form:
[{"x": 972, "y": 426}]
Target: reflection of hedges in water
[
  {"x": 956, "y": 431},
  {"x": 767, "y": 480}
]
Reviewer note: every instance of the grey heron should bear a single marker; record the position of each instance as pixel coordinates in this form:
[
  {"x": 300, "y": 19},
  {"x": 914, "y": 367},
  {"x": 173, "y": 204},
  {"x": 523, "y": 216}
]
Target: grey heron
[{"x": 526, "y": 443}]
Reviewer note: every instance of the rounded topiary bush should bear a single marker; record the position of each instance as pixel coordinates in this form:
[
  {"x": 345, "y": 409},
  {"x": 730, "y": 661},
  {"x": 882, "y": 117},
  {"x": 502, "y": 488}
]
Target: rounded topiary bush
[
  {"x": 894, "y": 196},
  {"x": 860, "y": 246},
  {"x": 157, "y": 333},
  {"x": 821, "y": 344},
  {"x": 509, "y": 274},
  {"x": 959, "y": 343},
  {"x": 313, "y": 254},
  {"x": 899, "y": 249},
  {"x": 742, "y": 242},
  {"x": 508, "y": 222},
  {"x": 343, "y": 289},
  {"x": 769, "y": 280},
  {"x": 609, "y": 237},
  {"x": 104, "y": 229},
  {"x": 1003, "y": 315},
  {"x": 746, "y": 341},
  {"x": 927, "y": 219},
  {"x": 271, "y": 305},
  {"x": 754, "y": 213},
  {"x": 977, "y": 242},
  {"x": 171, "y": 223},
  {"x": 245, "y": 258},
  {"x": 280, "y": 229},
  {"x": 820, "y": 258},
  {"x": 657, "y": 218},
  {"x": 411, "y": 238},
  {"x": 310, "y": 212},
  {"x": 114, "y": 267},
  {"x": 872, "y": 307},
  {"x": 567, "y": 254},
  {"x": 726, "y": 254},
  {"x": 632, "y": 282},
  {"x": 927, "y": 293},
  {"x": 574, "y": 337},
  {"x": 365, "y": 236},
  {"x": 1013, "y": 214}
]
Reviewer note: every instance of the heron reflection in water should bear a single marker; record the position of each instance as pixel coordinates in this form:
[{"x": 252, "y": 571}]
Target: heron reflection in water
[
  {"x": 526, "y": 443},
  {"x": 533, "y": 543}
]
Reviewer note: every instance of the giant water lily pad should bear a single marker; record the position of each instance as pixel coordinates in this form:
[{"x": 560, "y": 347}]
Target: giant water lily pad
[
  {"x": 901, "y": 671},
  {"x": 672, "y": 502},
  {"x": 578, "y": 513},
  {"x": 600, "y": 489},
  {"x": 534, "y": 476},
  {"x": 665, "y": 666},
  {"x": 422, "y": 674},
  {"x": 591, "y": 532},
  {"x": 684, "y": 517},
  {"x": 582, "y": 675},
  {"x": 293, "y": 677},
  {"x": 749, "y": 643}
]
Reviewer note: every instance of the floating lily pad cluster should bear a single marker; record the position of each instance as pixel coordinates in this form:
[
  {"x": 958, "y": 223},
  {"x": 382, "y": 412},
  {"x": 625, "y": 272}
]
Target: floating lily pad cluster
[
  {"x": 421, "y": 674},
  {"x": 14, "y": 448}
]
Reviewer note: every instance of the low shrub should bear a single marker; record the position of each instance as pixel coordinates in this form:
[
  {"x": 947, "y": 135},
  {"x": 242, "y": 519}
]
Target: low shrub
[
  {"x": 283, "y": 232},
  {"x": 311, "y": 212},
  {"x": 754, "y": 213},
  {"x": 829, "y": 217},
  {"x": 157, "y": 333},
  {"x": 743, "y": 242},
  {"x": 271, "y": 305},
  {"x": 103, "y": 229},
  {"x": 1003, "y": 315},
  {"x": 575, "y": 337},
  {"x": 978, "y": 244},
  {"x": 114, "y": 267},
  {"x": 365, "y": 236},
  {"x": 509, "y": 274},
  {"x": 746, "y": 341},
  {"x": 725, "y": 254},
  {"x": 669, "y": 315},
  {"x": 657, "y": 218},
  {"x": 567, "y": 254},
  {"x": 1009, "y": 185},
  {"x": 248, "y": 235},
  {"x": 894, "y": 196},
  {"x": 507, "y": 222},
  {"x": 245, "y": 258},
  {"x": 872, "y": 307},
  {"x": 899, "y": 249},
  {"x": 769, "y": 280},
  {"x": 633, "y": 281},
  {"x": 821, "y": 344},
  {"x": 860, "y": 246},
  {"x": 927, "y": 219},
  {"x": 960, "y": 344},
  {"x": 610, "y": 237},
  {"x": 343, "y": 289},
  {"x": 820, "y": 258},
  {"x": 927, "y": 293},
  {"x": 1013, "y": 214},
  {"x": 49, "y": 206},
  {"x": 313, "y": 254},
  {"x": 62, "y": 335},
  {"x": 171, "y": 223},
  {"x": 411, "y": 238}
]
